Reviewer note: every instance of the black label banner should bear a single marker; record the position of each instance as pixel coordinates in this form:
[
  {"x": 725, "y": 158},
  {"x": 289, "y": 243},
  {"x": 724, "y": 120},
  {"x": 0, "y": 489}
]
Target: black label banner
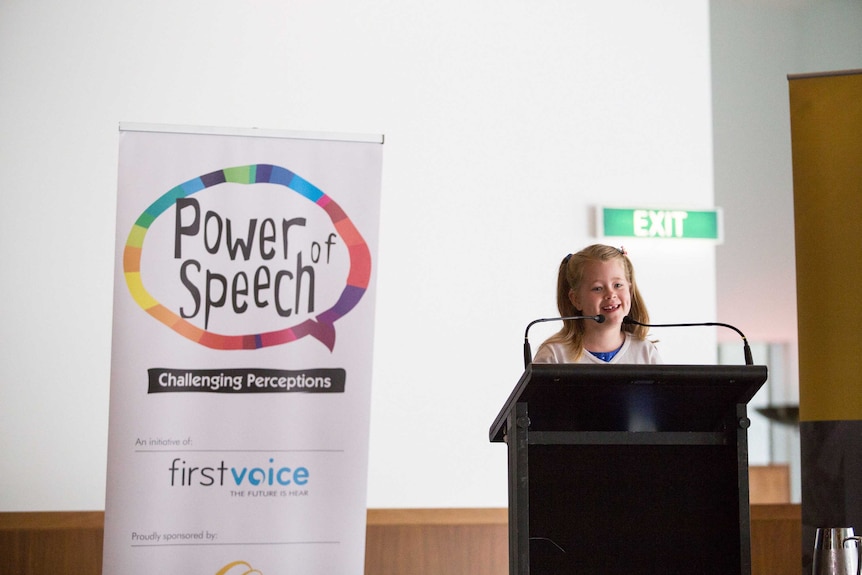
[{"x": 250, "y": 380}]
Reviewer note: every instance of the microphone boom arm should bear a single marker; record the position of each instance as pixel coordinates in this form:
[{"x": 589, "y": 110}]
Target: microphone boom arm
[
  {"x": 528, "y": 354},
  {"x": 749, "y": 360}
]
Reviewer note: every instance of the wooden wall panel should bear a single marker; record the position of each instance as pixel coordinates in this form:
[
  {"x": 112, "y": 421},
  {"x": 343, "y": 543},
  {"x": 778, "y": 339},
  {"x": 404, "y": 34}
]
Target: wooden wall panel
[
  {"x": 431, "y": 541},
  {"x": 399, "y": 542},
  {"x": 776, "y": 539},
  {"x": 769, "y": 484},
  {"x": 55, "y": 543}
]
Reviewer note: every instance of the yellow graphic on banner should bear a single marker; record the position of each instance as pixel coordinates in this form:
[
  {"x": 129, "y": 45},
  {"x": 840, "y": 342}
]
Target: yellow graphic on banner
[
  {"x": 826, "y": 123},
  {"x": 229, "y": 569}
]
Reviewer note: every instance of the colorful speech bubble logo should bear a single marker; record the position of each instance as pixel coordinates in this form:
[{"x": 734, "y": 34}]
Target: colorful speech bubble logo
[{"x": 321, "y": 327}]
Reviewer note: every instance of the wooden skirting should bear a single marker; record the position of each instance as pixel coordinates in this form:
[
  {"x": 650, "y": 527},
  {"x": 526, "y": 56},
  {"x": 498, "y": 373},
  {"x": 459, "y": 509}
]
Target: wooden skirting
[{"x": 398, "y": 542}]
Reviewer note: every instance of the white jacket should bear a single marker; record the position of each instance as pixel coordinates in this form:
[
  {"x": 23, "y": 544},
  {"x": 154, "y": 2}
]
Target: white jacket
[{"x": 633, "y": 351}]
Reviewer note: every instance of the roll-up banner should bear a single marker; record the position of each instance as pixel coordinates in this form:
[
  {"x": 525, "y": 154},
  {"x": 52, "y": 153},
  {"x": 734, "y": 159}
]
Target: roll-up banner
[
  {"x": 242, "y": 351},
  {"x": 826, "y": 131}
]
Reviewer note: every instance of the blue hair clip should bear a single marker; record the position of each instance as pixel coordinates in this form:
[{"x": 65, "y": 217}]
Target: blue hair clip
[{"x": 567, "y": 258}]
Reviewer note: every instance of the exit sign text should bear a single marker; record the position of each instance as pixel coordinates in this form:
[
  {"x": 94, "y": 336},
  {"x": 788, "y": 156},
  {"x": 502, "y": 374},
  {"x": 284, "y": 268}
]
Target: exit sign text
[{"x": 658, "y": 223}]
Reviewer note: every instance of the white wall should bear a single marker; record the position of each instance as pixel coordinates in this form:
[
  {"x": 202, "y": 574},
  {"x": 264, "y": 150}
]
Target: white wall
[
  {"x": 505, "y": 122},
  {"x": 755, "y": 45}
]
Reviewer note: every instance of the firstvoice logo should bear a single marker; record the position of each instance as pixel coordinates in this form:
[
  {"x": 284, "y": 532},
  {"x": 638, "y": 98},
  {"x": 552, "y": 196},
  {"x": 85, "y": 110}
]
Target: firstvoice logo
[{"x": 189, "y": 474}]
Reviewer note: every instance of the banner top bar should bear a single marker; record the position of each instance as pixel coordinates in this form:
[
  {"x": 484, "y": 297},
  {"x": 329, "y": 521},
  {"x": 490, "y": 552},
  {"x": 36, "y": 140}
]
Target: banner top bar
[
  {"x": 810, "y": 75},
  {"x": 251, "y": 132}
]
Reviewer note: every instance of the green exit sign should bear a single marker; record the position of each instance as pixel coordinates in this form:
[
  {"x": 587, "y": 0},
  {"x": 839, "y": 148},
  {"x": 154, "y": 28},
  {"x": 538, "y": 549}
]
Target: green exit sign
[{"x": 657, "y": 223}]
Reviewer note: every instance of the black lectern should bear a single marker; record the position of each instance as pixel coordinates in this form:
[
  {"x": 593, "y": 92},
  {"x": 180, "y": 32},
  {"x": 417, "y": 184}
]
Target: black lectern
[{"x": 629, "y": 469}]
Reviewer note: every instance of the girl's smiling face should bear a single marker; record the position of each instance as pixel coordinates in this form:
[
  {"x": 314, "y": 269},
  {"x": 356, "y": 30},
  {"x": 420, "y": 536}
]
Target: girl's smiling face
[{"x": 603, "y": 290}]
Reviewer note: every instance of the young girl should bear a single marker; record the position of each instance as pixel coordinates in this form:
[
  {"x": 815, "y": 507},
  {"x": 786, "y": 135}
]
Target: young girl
[{"x": 599, "y": 280}]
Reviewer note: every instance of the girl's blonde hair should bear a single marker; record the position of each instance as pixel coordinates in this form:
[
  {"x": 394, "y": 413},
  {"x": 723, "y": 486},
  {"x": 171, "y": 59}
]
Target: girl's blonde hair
[{"x": 569, "y": 278}]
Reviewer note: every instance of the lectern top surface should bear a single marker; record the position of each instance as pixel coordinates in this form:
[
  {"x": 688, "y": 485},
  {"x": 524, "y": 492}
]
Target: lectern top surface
[{"x": 587, "y": 397}]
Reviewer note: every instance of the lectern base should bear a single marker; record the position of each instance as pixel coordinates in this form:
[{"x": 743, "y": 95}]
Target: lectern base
[{"x": 657, "y": 509}]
